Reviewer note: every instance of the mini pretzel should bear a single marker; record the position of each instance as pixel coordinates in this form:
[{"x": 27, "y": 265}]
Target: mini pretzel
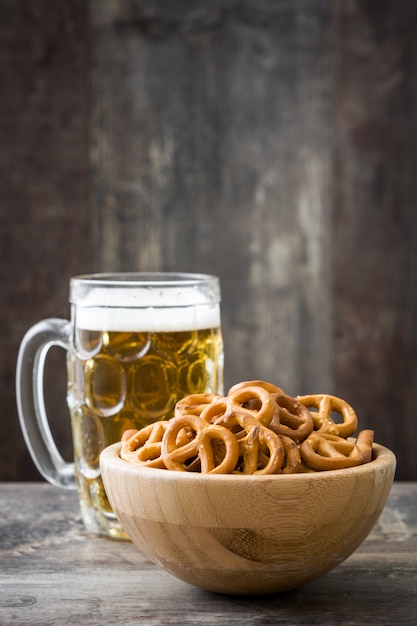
[
  {"x": 176, "y": 457},
  {"x": 364, "y": 442},
  {"x": 323, "y": 451},
  {"x": 325, "y": 405},
  {"x": 208, "y": 452},
  {"x": 291, "y": 419},
  {"x": 255, "y": 383},
  {"x": 292, "y": 459},
  {"x": 248, "y": 437},
  {"x": 194, "y": 404},
  {"x": 144, "y": 446},
  {"x": 127, "y": 434},
  {"x": 214, "y": 411},
  {"x": 260, "y": 448},
  {"x": 255, "y": 400},
  {"x": 255, "y": 429}
]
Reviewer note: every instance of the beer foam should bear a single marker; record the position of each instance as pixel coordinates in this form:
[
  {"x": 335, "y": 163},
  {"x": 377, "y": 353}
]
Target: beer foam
[{"x": 167, "y": 319}]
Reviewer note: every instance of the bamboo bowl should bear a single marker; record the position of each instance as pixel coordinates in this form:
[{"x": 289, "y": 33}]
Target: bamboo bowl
[{"x": 247, "y": 534}]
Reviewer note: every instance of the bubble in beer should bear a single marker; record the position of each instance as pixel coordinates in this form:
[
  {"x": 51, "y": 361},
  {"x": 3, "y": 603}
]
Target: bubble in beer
[
  {"x": 105, "y": 383},
  {"x": 153, "y": 388}
]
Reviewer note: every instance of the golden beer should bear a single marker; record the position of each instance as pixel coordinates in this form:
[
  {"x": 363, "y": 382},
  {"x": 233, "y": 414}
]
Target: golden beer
[{"x": 120, "y": 379}]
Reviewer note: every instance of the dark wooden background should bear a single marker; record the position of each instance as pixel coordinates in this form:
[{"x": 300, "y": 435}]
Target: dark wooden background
[{"x": 272, "y": 143}]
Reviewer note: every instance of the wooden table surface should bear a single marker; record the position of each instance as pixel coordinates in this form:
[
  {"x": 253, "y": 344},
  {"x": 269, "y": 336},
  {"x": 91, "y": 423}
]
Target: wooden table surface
[{"x": 52, "y": 572}]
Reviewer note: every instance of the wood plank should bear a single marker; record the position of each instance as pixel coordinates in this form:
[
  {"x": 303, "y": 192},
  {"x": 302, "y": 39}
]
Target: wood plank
[
  {"x": 269, "y": 143},
  {"x": 44, "y": 219},
  {"x": 375, "y": 230},
  {"x": 54, "y": 573},
  {"x": 210, "y": 153}
]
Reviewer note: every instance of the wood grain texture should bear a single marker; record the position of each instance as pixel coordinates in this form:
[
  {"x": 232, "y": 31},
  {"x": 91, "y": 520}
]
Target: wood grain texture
[
  {"x": 241, "y": 535},
  {"x": 375, "y": 227},
  {"x": 53, "y": 573},
  {"x": 272, "y": 144},
  {"x": 44, "y": 221},
  {"x": 210, "y": 153}
]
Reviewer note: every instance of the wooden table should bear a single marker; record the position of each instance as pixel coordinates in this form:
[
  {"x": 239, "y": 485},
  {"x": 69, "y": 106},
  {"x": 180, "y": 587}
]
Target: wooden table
[{"x": 52, "y": 572}]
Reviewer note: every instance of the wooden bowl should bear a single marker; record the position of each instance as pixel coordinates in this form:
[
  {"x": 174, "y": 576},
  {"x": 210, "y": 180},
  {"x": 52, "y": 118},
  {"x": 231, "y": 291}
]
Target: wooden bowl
[{"x": 238, "y": 534}]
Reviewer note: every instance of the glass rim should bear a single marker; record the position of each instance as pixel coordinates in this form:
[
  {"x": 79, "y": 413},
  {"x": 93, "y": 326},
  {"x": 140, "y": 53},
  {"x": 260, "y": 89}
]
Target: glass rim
[
  {"x": 143, "y": 279},
  {"x": 144, "y": 289}
]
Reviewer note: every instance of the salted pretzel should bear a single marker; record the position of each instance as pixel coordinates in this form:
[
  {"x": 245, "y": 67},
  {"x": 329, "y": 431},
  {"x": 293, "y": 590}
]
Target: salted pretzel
[
  {"x": 255, "y": 400},
  {"x": 324, "y": 451},
  {"x": 194, "y": 404},
  {"x": 255, "y": 429},
  {"x": 260, "y": 449},
  {"x": 144, "y": 446},
  {"x": 291, "y": 419},
  {"x": 323, "y": 405},
  {"x": 179, "y": 457}
]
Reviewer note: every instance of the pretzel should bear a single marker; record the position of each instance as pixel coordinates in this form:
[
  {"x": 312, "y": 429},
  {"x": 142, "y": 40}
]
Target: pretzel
[
  {"x": 305, "y": 469},
  {"x": 176, "y": 457},
  {"x": 214, "y": 411},
  {"x": 194, "y": 404},
  {"x": 271, "y": 388},
  {"x": 255, "y": 400},
  {"x": 255, "y": 429},
  {"x": 324, "y": 405},
  {"x": 323, "y": 451},
  {"x": 260, "y": 449},
  {"x": 291, "y": 419},
  {"x": 292, "y": 460},
  {"x": 209, "y": 452},
  {"x": 129, "y": 433},
  {"x": 364, "y": 442},
  {"x": 144, "y": 446}
]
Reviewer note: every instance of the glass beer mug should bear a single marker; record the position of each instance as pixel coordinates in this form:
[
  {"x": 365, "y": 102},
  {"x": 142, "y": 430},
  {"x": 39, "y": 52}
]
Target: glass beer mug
[{"x": 136, "y": 343}]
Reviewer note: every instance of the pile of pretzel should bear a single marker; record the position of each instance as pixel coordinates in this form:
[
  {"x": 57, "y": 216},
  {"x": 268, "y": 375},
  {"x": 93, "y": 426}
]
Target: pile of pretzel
[{"x": 255, "y": 429}]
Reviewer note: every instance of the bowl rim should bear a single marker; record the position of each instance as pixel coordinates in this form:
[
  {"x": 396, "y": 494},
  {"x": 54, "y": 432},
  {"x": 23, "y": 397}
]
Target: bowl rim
[{"x": 110, "y": 459}]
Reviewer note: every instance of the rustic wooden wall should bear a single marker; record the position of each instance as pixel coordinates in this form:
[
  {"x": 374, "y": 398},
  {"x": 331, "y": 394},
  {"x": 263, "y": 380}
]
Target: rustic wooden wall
[
  {"x": 45, "y": 223},
  {"x": 272, "y": 143}
]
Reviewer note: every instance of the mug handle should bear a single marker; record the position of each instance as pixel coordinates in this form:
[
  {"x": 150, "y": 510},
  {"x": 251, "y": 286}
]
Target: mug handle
[{"x": 30, "y": 399}]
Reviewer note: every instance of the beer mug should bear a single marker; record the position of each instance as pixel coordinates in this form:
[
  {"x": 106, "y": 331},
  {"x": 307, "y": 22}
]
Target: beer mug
[{"x": 136, "y": 343}]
